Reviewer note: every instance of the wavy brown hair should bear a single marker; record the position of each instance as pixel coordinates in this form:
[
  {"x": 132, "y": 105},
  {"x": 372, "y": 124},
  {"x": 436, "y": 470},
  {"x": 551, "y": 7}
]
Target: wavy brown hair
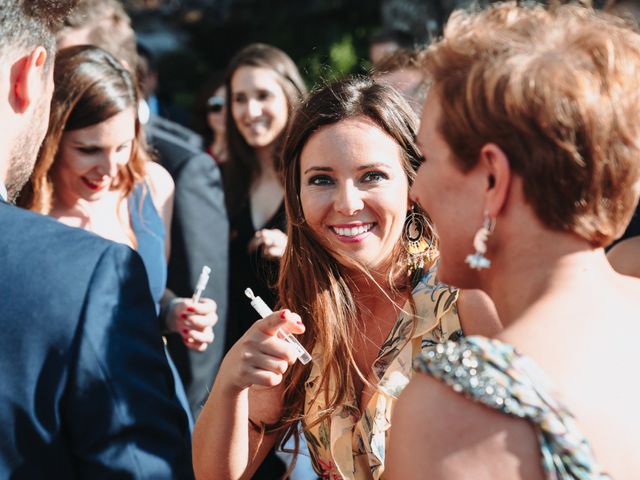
[
  {"x": 243, "y": 168},
  {"x": 557, "y": 91},
  {"x": 91, "y": 86},
  {"x": 314, "y": 281}
]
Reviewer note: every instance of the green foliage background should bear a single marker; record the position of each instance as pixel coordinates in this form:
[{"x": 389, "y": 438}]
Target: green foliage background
[{"x": 326, "y": 39}]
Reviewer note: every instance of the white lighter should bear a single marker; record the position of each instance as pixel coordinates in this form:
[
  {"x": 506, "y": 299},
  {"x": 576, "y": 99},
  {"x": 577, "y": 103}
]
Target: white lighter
[
  {"x": 264, "y": 311},
  {"x": 203, "y": 279}
]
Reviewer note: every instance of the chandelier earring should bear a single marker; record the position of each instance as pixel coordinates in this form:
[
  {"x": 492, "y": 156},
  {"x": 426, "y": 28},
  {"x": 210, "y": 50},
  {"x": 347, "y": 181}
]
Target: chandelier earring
[
  {"x": 478, "y": 261},
  {"x": 416, "y": 241}
]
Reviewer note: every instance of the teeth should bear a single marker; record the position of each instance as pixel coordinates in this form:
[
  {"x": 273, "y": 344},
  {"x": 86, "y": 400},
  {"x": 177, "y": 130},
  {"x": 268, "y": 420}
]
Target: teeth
[
  {"x": 257, "y": 124},
  {"x": 353, "y": 231}
]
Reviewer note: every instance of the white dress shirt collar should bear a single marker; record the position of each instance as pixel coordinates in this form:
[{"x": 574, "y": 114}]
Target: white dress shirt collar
[{"x": 3, "y": 192}]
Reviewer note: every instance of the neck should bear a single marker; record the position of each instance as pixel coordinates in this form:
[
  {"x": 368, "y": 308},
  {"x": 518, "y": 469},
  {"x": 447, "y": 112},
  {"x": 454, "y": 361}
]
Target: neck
[
  {"x": 373, "y": 288},
  {"x": 4, "y": 161},
  {"x": 525, "y": 277},
  {"x": 84, "y": 209},
  {"x": 4, "y": 170},
  {"x": 265, "y": 159}
]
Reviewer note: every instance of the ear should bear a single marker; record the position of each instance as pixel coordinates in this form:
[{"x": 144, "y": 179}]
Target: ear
[
  {"x": 28, "y": 80},
  {"x": 498, "y": 178}
]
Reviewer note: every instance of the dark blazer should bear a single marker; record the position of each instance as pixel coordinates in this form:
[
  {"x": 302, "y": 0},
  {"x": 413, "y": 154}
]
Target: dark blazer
[
  {"x": 199, "y": 236},
  {"x": 86, "y": 391}
]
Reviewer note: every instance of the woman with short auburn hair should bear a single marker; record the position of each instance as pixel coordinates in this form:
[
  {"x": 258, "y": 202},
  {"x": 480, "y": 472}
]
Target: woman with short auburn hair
[{"x": 531, "y": 142}]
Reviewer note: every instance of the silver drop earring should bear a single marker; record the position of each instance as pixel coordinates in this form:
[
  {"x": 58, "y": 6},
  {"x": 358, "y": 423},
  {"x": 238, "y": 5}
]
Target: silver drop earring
[{"x": 477, "y": 260}]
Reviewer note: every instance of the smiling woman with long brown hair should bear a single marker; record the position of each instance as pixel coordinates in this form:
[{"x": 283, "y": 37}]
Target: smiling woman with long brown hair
[{"x": 349, "y": 159}]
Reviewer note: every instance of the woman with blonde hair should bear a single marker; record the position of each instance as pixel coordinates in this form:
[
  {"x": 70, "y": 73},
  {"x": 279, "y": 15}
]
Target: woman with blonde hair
[
  {"x": 531, "y": 139},
  {"x": 367, "y": 296}
]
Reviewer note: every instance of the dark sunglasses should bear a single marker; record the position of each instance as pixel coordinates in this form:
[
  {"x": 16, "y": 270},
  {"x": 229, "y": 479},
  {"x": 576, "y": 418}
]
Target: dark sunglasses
[{"x": 215, "y": 104}]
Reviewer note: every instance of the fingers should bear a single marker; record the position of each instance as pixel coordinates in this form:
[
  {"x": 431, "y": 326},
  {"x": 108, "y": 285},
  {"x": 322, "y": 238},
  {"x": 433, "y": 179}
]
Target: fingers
[
  {"x": 274, "y": 252},
  {"x": 204, "y": 307},
  {"x": 266, "y": 362},
  {"x": 197, "y": 321},
  {"x": 262, "y": 356},
  {"x": 197, "y": 316},
  {"x": 272, "y": 241},
  {"x": 254, "y": 243},
  {"x": 200, "y": 336},
  {"x": 283, "y": 319},
  {"x": 194, "y": 322},
  {"x": 194, "y": 345}
]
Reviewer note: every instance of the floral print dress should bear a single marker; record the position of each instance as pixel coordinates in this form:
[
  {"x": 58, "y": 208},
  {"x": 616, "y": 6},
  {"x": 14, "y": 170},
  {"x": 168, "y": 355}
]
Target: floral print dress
[
  {"x": 351, "y": 446},
  {"x": 495, "y": 374}
]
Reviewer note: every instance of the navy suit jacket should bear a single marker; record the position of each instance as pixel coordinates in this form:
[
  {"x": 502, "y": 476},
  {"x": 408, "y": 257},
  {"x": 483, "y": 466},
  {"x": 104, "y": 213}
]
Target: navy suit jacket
[
  {"x": 199, "y": 236},
  {"x": 85, "y": 389}
]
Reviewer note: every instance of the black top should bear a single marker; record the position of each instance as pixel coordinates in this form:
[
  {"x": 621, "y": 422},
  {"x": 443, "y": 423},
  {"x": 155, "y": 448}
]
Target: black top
[{"x": 249, "y": 270}]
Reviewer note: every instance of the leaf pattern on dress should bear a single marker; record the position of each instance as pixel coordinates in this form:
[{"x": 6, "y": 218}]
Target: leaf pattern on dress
[
  {"x": 360, "y": 444},
  {"x": 395, "y": 342}
]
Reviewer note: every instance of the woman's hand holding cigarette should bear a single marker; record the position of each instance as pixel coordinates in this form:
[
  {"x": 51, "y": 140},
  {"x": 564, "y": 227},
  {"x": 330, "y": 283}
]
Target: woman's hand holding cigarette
[
  {"x": 261, "y": 356},
  {"x": 193, "y": 321}
]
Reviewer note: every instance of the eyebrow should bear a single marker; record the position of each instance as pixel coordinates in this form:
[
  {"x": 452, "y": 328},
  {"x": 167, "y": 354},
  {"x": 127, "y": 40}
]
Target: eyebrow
[
  {"x": 318, "y": 169},
  {"x": 80, "y": 143},
  {"x": 362, "y": 167}
]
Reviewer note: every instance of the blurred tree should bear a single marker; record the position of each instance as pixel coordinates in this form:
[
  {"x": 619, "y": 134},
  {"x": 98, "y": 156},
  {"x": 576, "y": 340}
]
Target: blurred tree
[{"x": 326, "y": 38}]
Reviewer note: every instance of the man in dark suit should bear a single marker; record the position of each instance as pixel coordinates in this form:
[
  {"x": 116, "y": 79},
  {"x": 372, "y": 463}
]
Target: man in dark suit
[
  {"x": 200, "y": 228},
  {"x": 86, "y": 391}
]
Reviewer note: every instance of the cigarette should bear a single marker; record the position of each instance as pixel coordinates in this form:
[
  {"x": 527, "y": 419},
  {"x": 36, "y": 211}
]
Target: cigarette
[
  {"x": 203, "y": 279},
  {"x": 264, "y": 311}
]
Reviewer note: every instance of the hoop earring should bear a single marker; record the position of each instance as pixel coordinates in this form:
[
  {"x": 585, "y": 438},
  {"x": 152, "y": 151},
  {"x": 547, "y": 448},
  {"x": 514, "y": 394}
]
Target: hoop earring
[
  {"x": 477, "y": 260},
  {"x": 415, "y": 241}
]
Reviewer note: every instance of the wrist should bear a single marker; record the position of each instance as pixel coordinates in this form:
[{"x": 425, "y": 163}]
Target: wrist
[
  {"x": 230, "y": 385},
  {"x": 168, "y": 315}
]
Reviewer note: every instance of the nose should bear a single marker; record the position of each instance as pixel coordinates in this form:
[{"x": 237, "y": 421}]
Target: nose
[
  {"x": 254, "y": 108},
  {"x": 109, "y": 164},
  {"x": 348, "y": 199}
]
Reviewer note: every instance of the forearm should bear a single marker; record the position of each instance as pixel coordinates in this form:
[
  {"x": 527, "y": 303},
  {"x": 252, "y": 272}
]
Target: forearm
[
  {"x": 221, "y": 437},
  {"x": 248, "y": 386}
]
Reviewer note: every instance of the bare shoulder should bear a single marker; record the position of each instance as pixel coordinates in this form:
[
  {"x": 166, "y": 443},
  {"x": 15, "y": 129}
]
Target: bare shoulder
[
  {"x": 478, "y": 315},
  {"x": 438, "y": 431},
  {"x": 160, "y": 182},
  {"x": 625, "y": 257}
]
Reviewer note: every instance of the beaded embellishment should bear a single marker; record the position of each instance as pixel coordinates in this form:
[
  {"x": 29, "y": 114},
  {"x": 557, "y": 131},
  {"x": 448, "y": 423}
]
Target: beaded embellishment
[{"x": 495, "y": 374}]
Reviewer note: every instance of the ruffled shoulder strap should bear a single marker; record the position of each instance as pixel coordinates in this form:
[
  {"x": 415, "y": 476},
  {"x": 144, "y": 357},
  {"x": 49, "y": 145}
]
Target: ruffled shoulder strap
[{"x": 495, "y": 374}]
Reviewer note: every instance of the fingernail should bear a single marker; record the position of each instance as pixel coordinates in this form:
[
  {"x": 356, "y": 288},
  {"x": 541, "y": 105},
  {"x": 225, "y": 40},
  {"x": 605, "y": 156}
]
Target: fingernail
[
  {"x": 283, "y": 314},
  {"x": 191, "y": 309},
  {"x": 299, "y": 322},
  {"x": 183, "y": 315},
  {"x": 185, "y": 331}
]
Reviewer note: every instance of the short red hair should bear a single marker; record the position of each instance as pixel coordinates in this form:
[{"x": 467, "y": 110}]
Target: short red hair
[{"x": 558, "y": 91}]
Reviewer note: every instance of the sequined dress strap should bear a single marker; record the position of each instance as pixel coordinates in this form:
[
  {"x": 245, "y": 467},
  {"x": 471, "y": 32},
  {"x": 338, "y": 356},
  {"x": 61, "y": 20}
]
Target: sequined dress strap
[{"x": 495, "y": 374}]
